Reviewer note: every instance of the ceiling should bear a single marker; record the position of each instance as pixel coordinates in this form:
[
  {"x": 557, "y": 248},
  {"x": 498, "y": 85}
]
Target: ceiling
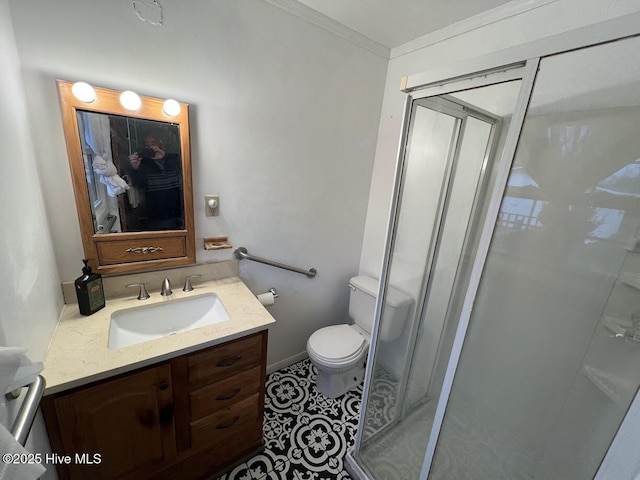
[{"x": 394, "y": 22}]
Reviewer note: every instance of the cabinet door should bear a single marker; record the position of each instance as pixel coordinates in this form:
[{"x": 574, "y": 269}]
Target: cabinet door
[{"x": 128, "y": 422}]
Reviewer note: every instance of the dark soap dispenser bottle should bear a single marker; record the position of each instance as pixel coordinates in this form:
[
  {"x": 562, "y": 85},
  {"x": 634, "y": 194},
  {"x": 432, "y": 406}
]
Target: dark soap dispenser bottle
[{"x": 89, "y": 291}]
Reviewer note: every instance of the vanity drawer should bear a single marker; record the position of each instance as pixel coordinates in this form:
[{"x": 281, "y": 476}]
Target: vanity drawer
[
  {"x": 137, "y": 249},
  {"x": 221, "y": 394},
  {"x": 224, "y": 360},
  {"x": 227, "y": 422}
]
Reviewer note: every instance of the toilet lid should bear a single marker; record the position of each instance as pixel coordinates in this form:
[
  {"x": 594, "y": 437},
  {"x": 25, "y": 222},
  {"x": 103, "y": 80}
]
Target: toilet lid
[{"x": 336, "y": 342}]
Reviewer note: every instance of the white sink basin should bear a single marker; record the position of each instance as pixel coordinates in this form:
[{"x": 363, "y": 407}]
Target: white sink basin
[{"x": 148, "y": 322}]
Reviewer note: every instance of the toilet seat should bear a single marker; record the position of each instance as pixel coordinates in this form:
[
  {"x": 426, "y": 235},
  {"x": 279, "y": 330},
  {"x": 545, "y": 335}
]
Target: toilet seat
[{"x": 336, "y": 346}]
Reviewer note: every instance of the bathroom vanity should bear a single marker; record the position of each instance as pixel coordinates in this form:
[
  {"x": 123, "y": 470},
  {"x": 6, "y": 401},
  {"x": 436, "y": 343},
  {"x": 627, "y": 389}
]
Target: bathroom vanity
[{"x": 187, "y": 405}]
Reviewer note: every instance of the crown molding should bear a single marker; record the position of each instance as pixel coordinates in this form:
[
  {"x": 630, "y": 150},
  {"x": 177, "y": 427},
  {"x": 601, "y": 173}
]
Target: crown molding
[
  {"x": 517, "y": 7},
  {"x": 296, "y": 8}
]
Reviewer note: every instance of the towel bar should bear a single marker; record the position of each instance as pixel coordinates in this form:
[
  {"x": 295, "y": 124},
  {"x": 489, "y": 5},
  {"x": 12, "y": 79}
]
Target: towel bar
[{"x": 22, "y": 425}]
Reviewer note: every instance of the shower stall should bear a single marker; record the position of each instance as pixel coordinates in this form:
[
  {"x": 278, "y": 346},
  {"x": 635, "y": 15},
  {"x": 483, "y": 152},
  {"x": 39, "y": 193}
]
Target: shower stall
[{"x": 516, "y": 230}]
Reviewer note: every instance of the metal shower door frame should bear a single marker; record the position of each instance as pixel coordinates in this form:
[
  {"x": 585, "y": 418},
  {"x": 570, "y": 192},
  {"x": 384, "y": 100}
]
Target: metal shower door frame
[
  {"x": 511, "y": 72},
  {"x": 504, "y": 168},
  {"x": 443, "y": 201},
  {"x": 462, "y": 111}
]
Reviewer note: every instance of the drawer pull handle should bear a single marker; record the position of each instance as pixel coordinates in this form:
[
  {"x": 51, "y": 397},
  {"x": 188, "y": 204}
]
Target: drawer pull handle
[
  {"x": 164, "y": 386},
  {"x": 228, "y": 425},
  {"x": 144, "y": 250},
  {"x": 228, "y": 397},
  {"x": 227, "y": 362}
]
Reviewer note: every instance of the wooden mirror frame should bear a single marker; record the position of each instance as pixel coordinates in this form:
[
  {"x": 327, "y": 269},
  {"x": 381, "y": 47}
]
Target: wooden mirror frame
[{"x": 116, "y": 253}]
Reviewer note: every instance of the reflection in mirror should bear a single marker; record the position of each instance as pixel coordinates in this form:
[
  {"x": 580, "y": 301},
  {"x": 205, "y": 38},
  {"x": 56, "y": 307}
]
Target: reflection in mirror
[{"x": 133, "y": 172}]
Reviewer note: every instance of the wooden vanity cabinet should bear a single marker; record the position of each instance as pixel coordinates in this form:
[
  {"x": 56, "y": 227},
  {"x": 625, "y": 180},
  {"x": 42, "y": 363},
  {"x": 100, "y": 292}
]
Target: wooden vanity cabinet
[
  {"x": 190, "y": 417},
  {"x": 128, "y": 421},
  {"x": 220, "y": 405}
]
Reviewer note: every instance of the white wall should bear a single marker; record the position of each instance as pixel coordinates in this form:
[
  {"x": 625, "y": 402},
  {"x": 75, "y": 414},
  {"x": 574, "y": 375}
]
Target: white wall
[
  {"x": 30, "y": 293},
  {"x": 284, "y": 120}
]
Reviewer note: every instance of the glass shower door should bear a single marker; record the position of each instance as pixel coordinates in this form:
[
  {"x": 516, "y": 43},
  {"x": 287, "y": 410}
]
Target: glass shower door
[
  {"x": 452, "y": 143},
  {"x": 551, "y": 358},
  {"x": 433, "y": 136}
]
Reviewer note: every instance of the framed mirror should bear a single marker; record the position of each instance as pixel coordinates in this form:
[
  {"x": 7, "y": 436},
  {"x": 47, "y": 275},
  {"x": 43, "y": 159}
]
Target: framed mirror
[{"x": 131, "y": 174}]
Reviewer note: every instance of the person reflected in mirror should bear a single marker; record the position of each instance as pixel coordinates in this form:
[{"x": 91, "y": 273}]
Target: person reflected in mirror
[{"x": 159, "y": 175}]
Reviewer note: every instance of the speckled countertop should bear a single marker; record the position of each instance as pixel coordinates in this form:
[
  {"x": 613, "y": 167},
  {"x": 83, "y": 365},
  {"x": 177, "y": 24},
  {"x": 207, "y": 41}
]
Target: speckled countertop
[{"x": 78, "y": 353}]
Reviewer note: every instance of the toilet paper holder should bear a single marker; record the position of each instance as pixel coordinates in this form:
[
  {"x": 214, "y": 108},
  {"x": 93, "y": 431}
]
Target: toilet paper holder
[
  {"x": 273, "y": 292},
  {"x": 268, "y": 298}
]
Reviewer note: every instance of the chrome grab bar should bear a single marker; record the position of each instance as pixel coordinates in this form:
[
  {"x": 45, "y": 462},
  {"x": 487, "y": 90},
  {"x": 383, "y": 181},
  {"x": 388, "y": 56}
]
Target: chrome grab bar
[
  {"x": 22, "y": 425},
  {"x": 241, "y": 253}
]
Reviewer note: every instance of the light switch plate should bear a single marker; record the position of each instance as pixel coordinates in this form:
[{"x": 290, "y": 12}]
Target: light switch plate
[{"x": 211, "y": 212}]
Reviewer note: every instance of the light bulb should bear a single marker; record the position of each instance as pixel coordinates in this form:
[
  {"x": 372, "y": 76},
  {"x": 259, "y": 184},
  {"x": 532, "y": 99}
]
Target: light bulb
[
  {"x": 130, "y": 100},
  {"x": 83, "y": 92},
  {"x": 171, "y": 107}
]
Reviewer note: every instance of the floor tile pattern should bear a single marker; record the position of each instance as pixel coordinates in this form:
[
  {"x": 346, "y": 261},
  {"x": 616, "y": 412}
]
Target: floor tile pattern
[
  {"x": 398, "y": 453},
  {"x": 381, "y": 406},
  {"x": 306, "y": 434},
  {"x": 471, "y": 447}
]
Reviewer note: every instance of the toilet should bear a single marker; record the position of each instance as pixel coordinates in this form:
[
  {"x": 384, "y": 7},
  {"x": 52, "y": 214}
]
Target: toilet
[{"x": 339, "y": 351}]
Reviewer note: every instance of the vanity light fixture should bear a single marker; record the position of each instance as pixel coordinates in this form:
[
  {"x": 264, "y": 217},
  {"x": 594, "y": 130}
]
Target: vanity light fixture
[
  {"x": 171, "y": 107},
  {"x": 130, "y": 100},
  {"x": 83, "y": 92}
]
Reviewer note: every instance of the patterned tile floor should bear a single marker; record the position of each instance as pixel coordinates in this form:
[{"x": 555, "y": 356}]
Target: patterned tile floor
[
  {"x": 306, "y": 434},
  {"x": 471, "y": 446}
]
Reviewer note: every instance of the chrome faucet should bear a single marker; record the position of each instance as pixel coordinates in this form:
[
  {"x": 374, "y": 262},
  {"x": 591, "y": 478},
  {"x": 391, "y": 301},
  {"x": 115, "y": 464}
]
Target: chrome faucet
[
  {"x": 143, "y": 294},
  {"x": 187, "y": 283},
  {"x": 166, "y": 288}
]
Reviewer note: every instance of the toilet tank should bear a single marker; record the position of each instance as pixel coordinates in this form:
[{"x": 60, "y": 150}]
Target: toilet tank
[{"x": 362, "y": 307}]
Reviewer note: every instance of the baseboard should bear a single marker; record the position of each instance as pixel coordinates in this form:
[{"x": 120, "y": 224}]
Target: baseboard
[{"x": 287, "y": 361}]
